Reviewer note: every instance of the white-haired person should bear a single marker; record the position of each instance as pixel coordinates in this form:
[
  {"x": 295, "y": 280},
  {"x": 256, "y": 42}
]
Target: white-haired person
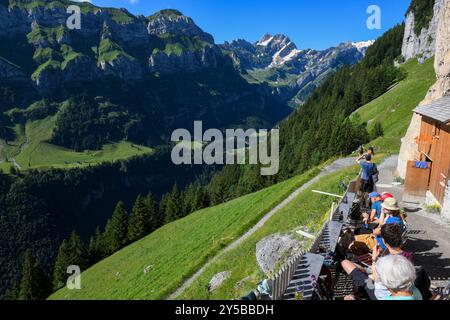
[{"x": 397, "y": 274}]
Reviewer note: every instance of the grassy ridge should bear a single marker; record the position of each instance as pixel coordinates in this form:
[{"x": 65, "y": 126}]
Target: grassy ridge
[{"x": 178, "y": 249}]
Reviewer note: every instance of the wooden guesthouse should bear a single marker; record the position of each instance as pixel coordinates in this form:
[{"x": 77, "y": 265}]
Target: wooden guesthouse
[{"x": 428, "y": 174}]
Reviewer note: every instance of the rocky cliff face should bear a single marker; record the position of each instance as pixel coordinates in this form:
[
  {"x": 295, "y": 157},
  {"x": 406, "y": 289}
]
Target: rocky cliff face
[
  {"x": 438, "y": 90},
  {"x": 420, "y": 45},
  {"x": 442, "y": 56},
  {"x": 174, "y": 22},
  {"x": 110, "y": 43}
]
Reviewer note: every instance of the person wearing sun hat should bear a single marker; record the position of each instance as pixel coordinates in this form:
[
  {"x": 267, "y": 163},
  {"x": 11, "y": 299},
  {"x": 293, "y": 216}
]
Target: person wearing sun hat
[{"x": 390, "y": 214}]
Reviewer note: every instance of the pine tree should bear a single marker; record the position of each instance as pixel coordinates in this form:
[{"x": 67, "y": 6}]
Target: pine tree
[
  {"x": 201, "y": 198},
  {"x": 35, "y": 284},
  {"x": 116, "y": 230},
  {"x": 71, "y": 253},
  {"x": 140, "y": 220},
  {"x": 377, "y": 130},
  {"x": 189, "y": 199},
  {"x": 155, "y": 220},
  {"x": 172, "y": 205},
  {"x": 96, "y": 250},
  {"x": 14, "y": 291}
]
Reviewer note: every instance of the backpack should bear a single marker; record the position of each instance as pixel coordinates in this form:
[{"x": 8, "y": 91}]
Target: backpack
[
  {"x": 423, "y": 283},
  {"x": 374, "y": 173}
]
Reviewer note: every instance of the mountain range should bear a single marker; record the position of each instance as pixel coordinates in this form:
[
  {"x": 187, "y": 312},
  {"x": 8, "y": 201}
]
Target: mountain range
[{"x": 292, "y": 73}]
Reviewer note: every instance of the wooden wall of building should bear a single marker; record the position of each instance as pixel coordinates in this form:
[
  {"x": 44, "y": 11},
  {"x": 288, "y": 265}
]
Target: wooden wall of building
[{"x": 434, "y": 142}]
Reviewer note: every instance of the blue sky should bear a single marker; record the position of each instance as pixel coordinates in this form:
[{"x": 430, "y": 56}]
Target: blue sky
[{"x": 316, "y": 24}]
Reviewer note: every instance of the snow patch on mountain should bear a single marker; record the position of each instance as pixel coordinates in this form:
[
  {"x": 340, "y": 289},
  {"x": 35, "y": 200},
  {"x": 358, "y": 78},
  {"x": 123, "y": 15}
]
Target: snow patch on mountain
[{"x": 363, "y": 45}]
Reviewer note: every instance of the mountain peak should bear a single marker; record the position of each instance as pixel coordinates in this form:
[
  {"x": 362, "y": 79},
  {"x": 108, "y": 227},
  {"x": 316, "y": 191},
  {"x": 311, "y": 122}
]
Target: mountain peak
[
  {"x": 362, "y": 46},
  {"x": 169, "y": 13},
  {"x": 170, "y": 21},
  {"x": 277, "y": 40}
]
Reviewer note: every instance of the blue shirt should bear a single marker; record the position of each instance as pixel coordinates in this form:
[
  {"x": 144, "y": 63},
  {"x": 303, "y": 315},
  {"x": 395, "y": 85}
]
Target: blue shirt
[
  {"x": 377, "y": 206},
  {"x": 396, "y": 220},
  {"x": 366, "y": 170},
  {"x": 390, "y": 220}
]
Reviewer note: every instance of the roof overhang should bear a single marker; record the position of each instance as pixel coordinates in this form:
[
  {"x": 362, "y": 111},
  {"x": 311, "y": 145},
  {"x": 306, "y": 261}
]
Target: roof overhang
[{"x": 438, "y": 110}]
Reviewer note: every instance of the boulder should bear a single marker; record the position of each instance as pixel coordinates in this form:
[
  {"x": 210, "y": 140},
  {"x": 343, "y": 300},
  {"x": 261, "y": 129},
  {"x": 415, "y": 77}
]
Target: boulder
[
  {"x": 218, "y": 280},
  {"x": 274, "y": 250}
]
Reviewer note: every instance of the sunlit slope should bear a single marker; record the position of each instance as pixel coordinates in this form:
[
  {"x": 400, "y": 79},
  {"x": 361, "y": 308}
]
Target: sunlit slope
[
  {"x": 31, "y": 150},
  {"x": 394, "y": 108},
  {"x": 177, "y": 250}
]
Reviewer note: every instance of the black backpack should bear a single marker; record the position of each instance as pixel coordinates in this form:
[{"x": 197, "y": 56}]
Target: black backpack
[
  {"x": 423, "y": 283},
  {"x": 374, "y": 173}
]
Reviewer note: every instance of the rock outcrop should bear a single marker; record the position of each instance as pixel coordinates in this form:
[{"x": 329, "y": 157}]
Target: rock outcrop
[
  {"x": 218, "y": 280},
  {"x": 422, "y": 45},
  {"x": 273, "y": 251},
  {"x": 189, "y": 61},
  {"x": 174, "y": 22},
  {"x": 438, "y": 90},
  {"x": 442, "y": 56}
]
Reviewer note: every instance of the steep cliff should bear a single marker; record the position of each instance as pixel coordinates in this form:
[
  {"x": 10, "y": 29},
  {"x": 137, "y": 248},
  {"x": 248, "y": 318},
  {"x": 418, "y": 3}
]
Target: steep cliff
[
  {"x": 438, "y": 90},
  {"x": 420, "y": 29}
]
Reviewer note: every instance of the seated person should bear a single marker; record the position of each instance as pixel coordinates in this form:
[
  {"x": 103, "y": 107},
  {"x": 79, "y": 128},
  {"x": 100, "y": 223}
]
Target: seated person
[
  {"x": 375, "y": 214},
  {"x": 390, "y": 214},
  {"x": 392, "y": 237},
  {"x": 397, "y": 274}
]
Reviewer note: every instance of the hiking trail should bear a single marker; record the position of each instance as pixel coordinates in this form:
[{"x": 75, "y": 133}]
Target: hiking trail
[{"x": 335, "y": 166}]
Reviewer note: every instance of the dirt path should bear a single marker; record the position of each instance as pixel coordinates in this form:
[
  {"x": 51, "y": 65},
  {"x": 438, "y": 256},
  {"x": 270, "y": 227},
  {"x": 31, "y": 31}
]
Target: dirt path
[{"x": 337, "y": 165}]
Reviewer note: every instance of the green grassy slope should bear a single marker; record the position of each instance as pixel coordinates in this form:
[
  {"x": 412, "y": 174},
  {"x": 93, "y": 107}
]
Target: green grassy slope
[
  {"x": 178, "y": 249},
  {"x": 394, "y": 111},
  {"x": 308, "y": 209},
  {"x": 31, "y": 150},
  {"x": 394, "y": 108}
]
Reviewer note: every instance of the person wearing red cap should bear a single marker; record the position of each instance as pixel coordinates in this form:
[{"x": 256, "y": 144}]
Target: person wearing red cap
[{"x": 386, "y": 195}]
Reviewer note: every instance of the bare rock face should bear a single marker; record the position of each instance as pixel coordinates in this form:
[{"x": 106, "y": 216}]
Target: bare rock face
[
  {"x": 424, "y": 44},
  {"x": 218, "y": 280},
  {"x": 438, "y": 90},
  {"x": 188, "y": 61},
  {"x": 409, "y": 145},
  {"x": 274, "y": 250},
  {"x": 174, "y": 22},
  {"x": 122, "y": 67},
  {"x": 442, "y": 57}
]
